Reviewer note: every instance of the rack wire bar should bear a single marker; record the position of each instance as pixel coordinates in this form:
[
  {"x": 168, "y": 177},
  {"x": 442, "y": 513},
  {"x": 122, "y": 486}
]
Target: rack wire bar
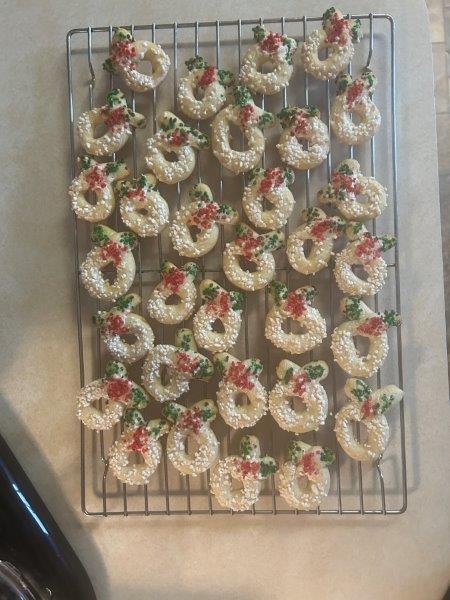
[{"x": 379, "y": 489}]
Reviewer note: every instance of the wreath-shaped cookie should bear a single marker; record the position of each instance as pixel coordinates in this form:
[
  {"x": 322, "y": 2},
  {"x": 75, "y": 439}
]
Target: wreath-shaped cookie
[
  {"x": 119, "y": 394},
  {"x": 338, "y": 36},
  {"x": 256, "y": 248},
  {"x": 249, "y": 467},
  {"x": 203, "y": 213},
  {"x": 251, "y": 119},
  {"x": 303, "y": 123},
  {"x": 178, "y": 281},
  {"x": 304, "y": 383},
  {"x": 368, "y": 407},
  {"x": 98, "y": 179},
  {"x": 181, "y": 363},
  {"x": 218, "y": 304},
  {"x": 174, "y": 136},
  {"x": 120, "y": 321},
  {"x": 362, "y": 321},
  {"x": 346, "y": 188},
  {"x": 141, "y": 439},
  {"x": 304, "y": 480},
  {"x": 270, "y": 185},
  {"x": 125, "y": 55},
  {"x": 240, "y": 377},
  {"x": 208, "y": 82},
  {"x": 294, "y": 305},
  {"x": 275, "y": 48},
  {"x": 192, "y": 424},
  {"x": 119, "y": 120},
  {"x": 363, "y": 249},
  {"x": 322, "y": 230},
  {"x": 142, "y": 207},
  {"x": 355, "y": 96},
  {"x": 110, "y": 248}
]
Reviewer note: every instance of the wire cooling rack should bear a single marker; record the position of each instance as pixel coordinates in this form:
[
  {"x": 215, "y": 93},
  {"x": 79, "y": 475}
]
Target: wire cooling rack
[{"x": 356, "y": 488}]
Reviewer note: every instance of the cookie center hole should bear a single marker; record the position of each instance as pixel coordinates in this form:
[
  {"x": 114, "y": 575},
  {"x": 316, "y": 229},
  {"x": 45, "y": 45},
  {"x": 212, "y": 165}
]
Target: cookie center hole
[
  {"x": 164, "y": 375},
  {"x": 247, "y": 265},
  {"x": 109, "y": 273},
  {"x": 307, "y": 247},
  {"x": 172, "y": 300},
  {"x": 128, "y": 338},
  {"x": 294, "y": 327},
  {"x": 362, "y": 344},
  {"x": 362, "y": 436},
  {"x": 195, "y": 232},
  {"x": 142, "y": 211},
  {"x": 170, "y": 156},
  {"x": 199, "y": 93},
  {"x": 322, "y": 53},
  {"x": 191, "y": 445},
  {"x": 238, "y": 141},
  {"x": 360, "y": 272},
  {"x": 218, "y": 327},
  {"x": 267, "y": 66},
  {"x": 241, "y": 399},
  {"x": 296, "y": 403},
  {"x": 236, "y": 485},
  {"x": 100, "y": 130},
  {"x": 135, "y": 458}
]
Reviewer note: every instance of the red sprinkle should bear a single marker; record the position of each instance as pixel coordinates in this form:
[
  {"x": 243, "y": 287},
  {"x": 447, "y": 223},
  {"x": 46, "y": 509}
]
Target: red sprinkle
[
  {"x": 271, "y": 42},
  {"x": 239, "y": 374},
  {"x": 174, "y": 279},
  {"x": 186, "y": 363},
  {"x": 204, "y": 217},
  {"x": 140, "y": 440},
  {"x": 295, "y": 304},
  {"x": 137, "y": 194},
  {"x": 95, "y": 178},
  {"x": 248, "y": 244},
  {"x": 368, "y": 249},
  {"x": 191, "y": 419},
  {"x": 321, "y": 227},
  {"x": 209, "y": 76},
  {"x": 301, "y": 124},
  {"x": 247, "y": 114},
  {"x": 113, "y": 251},
  {"x": 340, "y": 181},
  {"x": 178, "y": 138},
  {"x": 220, "y": 305},
  {"x": 374, "y": 326},
  {"x": 309, "y": 462},
  {"x": 368, "y": 408},
  {"x": 273, "y": 178},
  {"x": 248, "y": 467},
  {"x": 118, "y": 389},
  {"x": 116, "y": 116},
  {"x": 115, "y": 324},
  {"x": 337, "y": 30},
  {"x": 299, "y": 382},
  {"x": 354, "y": 92},
  {"x": 123, "y": 52}
]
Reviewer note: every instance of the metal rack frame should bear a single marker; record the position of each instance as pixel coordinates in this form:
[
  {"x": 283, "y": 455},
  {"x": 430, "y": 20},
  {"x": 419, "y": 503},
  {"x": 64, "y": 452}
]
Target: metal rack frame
[{"x": 216, "y": 27}]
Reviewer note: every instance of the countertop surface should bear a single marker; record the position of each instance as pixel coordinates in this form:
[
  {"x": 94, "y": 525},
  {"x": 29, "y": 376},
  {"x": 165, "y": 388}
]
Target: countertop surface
[{"x": 401, "y": 557}]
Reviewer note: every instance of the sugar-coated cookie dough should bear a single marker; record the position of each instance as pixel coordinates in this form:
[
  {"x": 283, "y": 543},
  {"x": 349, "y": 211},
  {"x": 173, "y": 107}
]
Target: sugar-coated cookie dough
[
  {"x": 294, "y": 305},
  {"x": 304, "y": 480},
  {"x": 271, "y": 47},
  {"x": 240, "y": 377},
  {"x": 368, "y": 407},
  {"x": 249, "y": 467},
  {"x": 178, "y": 281},
  {"x": 362, "y": 321},
  {"x": 338, "y": 35},
  {"x": 191, "y": 424},
  {"x": 98, "y": 179},
  {"x": 119, "y": 321},
  {"x": 118, "y": 119},
  {"x": 125, "y": 55}
]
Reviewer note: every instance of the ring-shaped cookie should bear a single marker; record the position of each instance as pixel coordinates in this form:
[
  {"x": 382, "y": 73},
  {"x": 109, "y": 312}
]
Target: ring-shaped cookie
[
  {"x": 182, "y": 363},
  {"x": 249, "y": 467},
  {"x": 174, "y": 136},
  {"x": 120, "y": 321},
  {"x": 191, "y": 424},
  {"x": 142, "y": 207},
  {"x": 347, "y": 185},
  {"x": 368, "y": 407},
  {"x": 274, "y": 48},
  {"x": 362, "y": 321},
  {"x": 209, "y": 82},
  {"x": 119, "y": 120},
  {"x": 251, "y": 119},
  {"x": 178, "y": 282},
  {"x": 126, "y": 53},
  {"x": 240, "y": 378},
  {"x": 304, "y": 480},
  {"x": 119, "y": 394},
  {"x": 355, "y": 95},
  {"x": 295, "y": 305},
  {"x": 205, "y": 215},
  {"x": 337, "y": 36},
  {"x": 98, "y": 179},
  {"x": 363, "y": 249},
  {"x": 218, "y": 304},
  {"x": 271, "y": 185},
  {"x": 256, "y": 248},
  {"x": 110, "y": 248},
  {"x": 143, "y": 440},
  {"x": 302, "y": 124},
  {"x": 304, "y": 383},
  {"x": 322, "y": 230}
]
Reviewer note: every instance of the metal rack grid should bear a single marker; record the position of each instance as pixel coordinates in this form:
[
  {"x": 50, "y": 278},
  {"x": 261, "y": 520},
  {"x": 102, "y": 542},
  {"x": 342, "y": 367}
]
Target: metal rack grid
[{"x": 173, "y": 493}]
